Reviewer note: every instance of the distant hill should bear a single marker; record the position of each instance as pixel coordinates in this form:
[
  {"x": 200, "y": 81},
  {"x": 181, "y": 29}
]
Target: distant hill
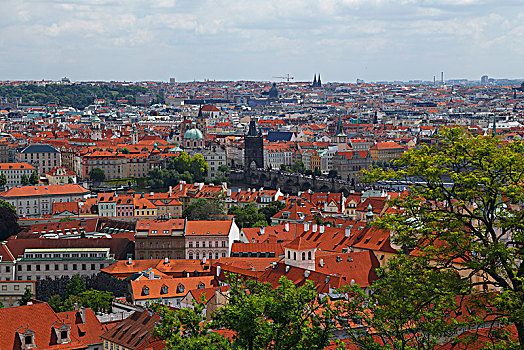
[{"x": 75, "y": 95}]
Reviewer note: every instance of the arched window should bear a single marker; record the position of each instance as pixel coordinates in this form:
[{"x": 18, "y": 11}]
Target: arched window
[
  {"x": 288, "y": 254},
  {"x": 309, "y": 255},
  {"x": 294, "y": 255},
  {"x": 303, "y": 256}
]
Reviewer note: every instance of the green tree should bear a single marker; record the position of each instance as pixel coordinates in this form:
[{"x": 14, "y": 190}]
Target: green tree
[
  {"x": 180, "y": 163},
  {"x": 271, "y": 209},
  {"x": 247, "y": 216},
  {"x": 1, "y": 305},
  {"x": 56, "y": 303},
  {"x": 25, "y": 297},
  {"x": 199, "y": 167},
  {"x": 125, "y": 151},
  {"x": 33, "y": 179},
  {"x": 203, "y": 209},
  {"x": 298, "y": 167},
  {"x": 3, "y": 180},
  {"x": 409, "y": 306},
  {"x": 224, "y": 169},
  {"x": 186, "y": 329},
  {"x": 76, "y": 286},
  {"x": 333, "y": 174},
  {"x": 465, "y": 207},
  {"x": 8, "y": 220},
  {"x": 98, "y": 301},
  {"x": 262, "y": 317},
  {"x": 24, "y": 180},
  {"x": 97, "y": 175},
  {"x": 70, "y": 180},
  {"x": 317, "y": 172}
]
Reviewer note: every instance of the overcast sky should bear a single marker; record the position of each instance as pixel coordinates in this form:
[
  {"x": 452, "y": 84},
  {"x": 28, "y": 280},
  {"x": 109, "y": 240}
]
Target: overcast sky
[{"x": 234, "y": 39}]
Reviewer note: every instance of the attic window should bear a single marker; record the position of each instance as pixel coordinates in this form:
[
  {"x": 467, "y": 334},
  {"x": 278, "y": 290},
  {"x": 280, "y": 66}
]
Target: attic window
[
  {"x": 201, "y": 285},
  {"x": 145, "y": 291},
  {"x": 180, "y": 288},
  {"x": 164, "y": 289}
]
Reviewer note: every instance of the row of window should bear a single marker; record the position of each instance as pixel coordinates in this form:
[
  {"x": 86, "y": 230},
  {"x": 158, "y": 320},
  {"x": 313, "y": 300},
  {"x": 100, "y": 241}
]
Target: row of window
[
  {"x": 56, "y": 267},
  {"x": 210, "y": 244},
  {"x": 209, "y": 255}
]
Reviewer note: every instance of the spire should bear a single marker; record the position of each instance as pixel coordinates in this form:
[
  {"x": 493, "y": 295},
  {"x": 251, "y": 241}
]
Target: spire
[
  {"x": 319, "y": 82},
  {"x": 200, "y": 112},
  {"x": 340, "y": 131},
  {"x": 252, "y": 128},
  {"x": 314, "y": 81}
]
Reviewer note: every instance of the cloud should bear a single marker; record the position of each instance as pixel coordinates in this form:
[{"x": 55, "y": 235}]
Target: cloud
[{"x": 235, "y": 38}]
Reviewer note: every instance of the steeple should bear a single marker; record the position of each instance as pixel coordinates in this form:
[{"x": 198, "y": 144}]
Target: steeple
[
  {"x": 319, "y": 82},
  {"x": 314, "y": 81},
  {"x": 200, "y": 112},
  {"x": 340, "y": 131},
  {"x": 252, "y": 128}
]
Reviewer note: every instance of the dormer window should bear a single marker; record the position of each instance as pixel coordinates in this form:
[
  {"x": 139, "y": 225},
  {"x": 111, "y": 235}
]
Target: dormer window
[
  {"x": 164, "y": 289},
  {"x": 180, "y": 288},
  {"x": 145, "y": 291},
  {"x": 26, "y": 337},
  {"x": 201, "y": 285}
]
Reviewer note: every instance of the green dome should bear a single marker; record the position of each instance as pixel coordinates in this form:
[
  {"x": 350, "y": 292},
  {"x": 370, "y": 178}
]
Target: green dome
[{"x": 193, "y": 134}]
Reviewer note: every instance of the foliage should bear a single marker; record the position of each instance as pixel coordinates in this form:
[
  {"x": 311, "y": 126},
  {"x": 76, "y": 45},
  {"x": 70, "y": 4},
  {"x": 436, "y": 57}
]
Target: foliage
[
  {"x": 1, "y": 305},
  {"x": 409, "y": 306},
  {"x": 298, "y": 167},
  {"x": 8, "y": 220},
  {"x": 464, "y": 212},
  {"x": 75, "y": 95},
  {"x": 70, "y": 180},
  {"x": 203, "y": 209},
  {"x": 333, "y": 174},
  {"x": 262, "y": 317},
  {"x": 97, "y": 175},
  {"x": 46, "y": 289},
  {"x": 28, "y": 295},
  {"x": 271, "y": 209},
  {"x": 125, "y": 150},
  {"x": 181, "y": 167},
  {"x": 224, "y": 169},
  {"x": 185, "y": 329},
  {"x": 33, "y": 179},
  {"x": 77, "y": 294},
  {"x": 24, "y": 180},
  {"x": 3, "y": 180},
  {"x": 317, "y": 172},
  {"x": 248, "y": 216}
]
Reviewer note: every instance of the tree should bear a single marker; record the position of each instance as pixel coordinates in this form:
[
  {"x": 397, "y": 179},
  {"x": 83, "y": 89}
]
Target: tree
[
  {"x": 33, "y": 179},
  {"x": 76, "y": 286},
  {"x": 464, "y": 213},
  {"x": 98, "y": 301},
  {"x": 70, "y": 180},
  {"x": 186, "y": 329},
  {"x": 317, "y": 172},
  {"x": 271, "y": 209},
  {"x": 203, "y": 209},
  {"x": 224, "y": 169},
  {"x": 28, "y": 295},
  {"x": 24, "y": 180},
  {"x": 333, "y": 174},
  {"x": 97, "y": 175},
  {"x": 56, "y": 303},
  {"x": 199, "y": 167},
  {"x": 409, "y": 306},
  {"x": 3, "y": 180},
  {"x": 125, "y": 151},
  {"x": 298, "y": 167},
  {"x": 247, "y": 216},
  {"x": 262, "y": 317},
  {"x": 283, "y": 167},
  {"x": 8, "y": 220}
]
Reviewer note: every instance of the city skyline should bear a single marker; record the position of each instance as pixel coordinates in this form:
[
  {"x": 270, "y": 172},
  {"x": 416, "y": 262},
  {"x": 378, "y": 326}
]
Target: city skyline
[{"x": 243, "y": 40}]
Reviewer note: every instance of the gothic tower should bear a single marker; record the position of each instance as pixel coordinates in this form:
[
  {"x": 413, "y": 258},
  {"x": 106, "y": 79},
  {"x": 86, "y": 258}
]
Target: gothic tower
[{"x": 253, "y": 147}]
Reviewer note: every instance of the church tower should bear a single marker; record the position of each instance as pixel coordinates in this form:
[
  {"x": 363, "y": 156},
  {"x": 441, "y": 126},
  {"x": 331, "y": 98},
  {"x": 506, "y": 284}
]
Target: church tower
[
  {"x": 340, "y": 138},
  {"x": 253, "y": 147},
  {"x": 319, "y": 82}
]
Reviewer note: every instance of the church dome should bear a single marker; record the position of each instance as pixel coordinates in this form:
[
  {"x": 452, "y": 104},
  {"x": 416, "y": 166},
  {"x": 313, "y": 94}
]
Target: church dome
[{"x": 193, "y": 134}]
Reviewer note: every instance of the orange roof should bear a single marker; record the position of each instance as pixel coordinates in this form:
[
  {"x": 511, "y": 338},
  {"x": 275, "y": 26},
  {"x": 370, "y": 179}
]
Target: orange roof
[
  {"x": 208, "y": 227},
  {"x": 44, "y": 190}
]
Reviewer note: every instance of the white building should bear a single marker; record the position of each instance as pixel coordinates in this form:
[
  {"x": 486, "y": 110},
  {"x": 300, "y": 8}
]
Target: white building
[
  {"x": 14, "y": 172},
  {"x": 37, "y": 200},
  {"x": 210, "y": 239}
]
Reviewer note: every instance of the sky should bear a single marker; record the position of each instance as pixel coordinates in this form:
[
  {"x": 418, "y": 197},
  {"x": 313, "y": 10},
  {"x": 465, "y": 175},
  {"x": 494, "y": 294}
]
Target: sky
[{"x": 188, "y": 40}]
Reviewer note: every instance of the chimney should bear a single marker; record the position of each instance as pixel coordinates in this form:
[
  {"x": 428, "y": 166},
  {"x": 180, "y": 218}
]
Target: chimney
[
  {"x": 82, "y": 313},
  {"x": 204, "y": 260},
  {"x": 306, "y": 227},
  {"x": 130, "y": 261},
  {"x": 219, "y": 269},
  {"x": 166, "y": 260},
  {"x": 314, "y": 229},
  {"x": 262, "y": 230},
  {"x": 321, "y": 263},
  {"x": 228, "y": 192},
  {"x": 286, "y": 227},
  {"x": 170, "y": 191},
  {"x": 321, "y": 229},
  {"x": 151, "y": 275},
  {"x": 348, "y": 231}
]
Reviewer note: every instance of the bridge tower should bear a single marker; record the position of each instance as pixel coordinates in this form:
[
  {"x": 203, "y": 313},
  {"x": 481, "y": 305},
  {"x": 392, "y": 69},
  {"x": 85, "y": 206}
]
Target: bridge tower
[{"x": 253, "y": 148}]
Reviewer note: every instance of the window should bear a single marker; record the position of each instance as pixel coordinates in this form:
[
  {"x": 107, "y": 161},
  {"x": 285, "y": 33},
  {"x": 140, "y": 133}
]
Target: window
[
  {"x": 56, "y": 267},
  {"x": 37, "y": 267},
  {"x": 8, "y": 269},
  {"x": 74, "y": 267},
  {"x": 47, "y": 267},
  {"x": 93, "y": 267},
  {"x": 294, "y": 255},
  {"x": 303, "y": 255},
  {"x": 83, "y": 267},
  {"x": 309, "y": 255},
  {"x": 65, "y": 267},
  {"x": 63, "y": 334}
]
